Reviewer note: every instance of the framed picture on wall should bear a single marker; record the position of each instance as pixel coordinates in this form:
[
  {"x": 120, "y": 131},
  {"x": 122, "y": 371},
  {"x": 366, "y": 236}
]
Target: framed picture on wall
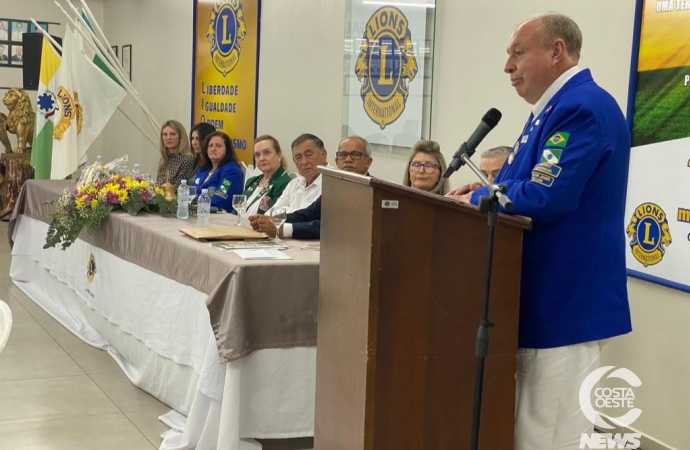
[
  {"x": 17, "y": 55},
  {"x": 4, "y": 52},
  {"x": 115, "y": 50},
  {"x": 18, "y": 29},
  {"x": 42, "y": 25},
  {"x": 4, "y": 26},
  {"x": 127, "y": 59}
]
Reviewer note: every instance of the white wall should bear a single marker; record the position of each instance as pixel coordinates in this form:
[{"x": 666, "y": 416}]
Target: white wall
[
  {"x": 160, "y": 32},
  {"x": 40, "y": 11}
]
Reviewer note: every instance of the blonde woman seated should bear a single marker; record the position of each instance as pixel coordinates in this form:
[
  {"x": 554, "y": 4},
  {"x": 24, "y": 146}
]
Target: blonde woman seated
[
  {"x": 177, "y": 161},
  {"x": 425, "y": 168},
  {"x": 263, "y": 190}
]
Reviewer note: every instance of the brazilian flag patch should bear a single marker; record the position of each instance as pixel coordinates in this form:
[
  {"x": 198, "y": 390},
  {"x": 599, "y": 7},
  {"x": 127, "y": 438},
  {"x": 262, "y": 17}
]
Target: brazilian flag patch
[{"x": 559, "y": 139}]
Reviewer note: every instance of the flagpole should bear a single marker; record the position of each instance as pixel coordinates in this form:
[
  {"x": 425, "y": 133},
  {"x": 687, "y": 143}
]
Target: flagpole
[
  {"x": 112, "y": 63},
  {"x": 59, "y": 47},
  {"x": 86, "y": 8}
]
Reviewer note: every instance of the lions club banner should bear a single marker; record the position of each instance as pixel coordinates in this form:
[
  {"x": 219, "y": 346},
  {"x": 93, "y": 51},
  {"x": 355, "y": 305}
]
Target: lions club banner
[
  {"x": 658, "y": 204},
  {"x": 226, "y": 57},
  {"x": 385, "y": 82}
]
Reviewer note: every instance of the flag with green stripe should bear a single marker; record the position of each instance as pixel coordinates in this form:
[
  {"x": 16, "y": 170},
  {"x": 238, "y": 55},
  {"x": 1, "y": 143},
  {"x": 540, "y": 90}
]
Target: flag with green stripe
[
  {"x": 47, "y": 107},
  {"x": 97, "y": 57}
]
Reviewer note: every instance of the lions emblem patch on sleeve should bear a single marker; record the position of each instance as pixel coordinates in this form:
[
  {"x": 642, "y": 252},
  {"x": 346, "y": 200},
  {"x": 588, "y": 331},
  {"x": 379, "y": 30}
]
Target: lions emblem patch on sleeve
[
  {"x": 649, "y": 234},
  {"x": 386, "y": 65}
]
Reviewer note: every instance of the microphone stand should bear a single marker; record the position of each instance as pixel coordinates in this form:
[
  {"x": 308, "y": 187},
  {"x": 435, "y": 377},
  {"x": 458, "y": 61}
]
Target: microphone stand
[{"x": 490, "y": 205}]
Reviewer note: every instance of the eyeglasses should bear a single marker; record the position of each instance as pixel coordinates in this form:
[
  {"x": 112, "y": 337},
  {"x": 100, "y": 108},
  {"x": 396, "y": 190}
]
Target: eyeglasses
[
  {"x": 356, "y": 156},
  {"x": 416, "y": 166}
]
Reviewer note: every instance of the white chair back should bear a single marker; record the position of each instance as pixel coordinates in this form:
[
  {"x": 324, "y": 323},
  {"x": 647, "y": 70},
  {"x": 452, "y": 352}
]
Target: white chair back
[{"x": 5, "y": 324}]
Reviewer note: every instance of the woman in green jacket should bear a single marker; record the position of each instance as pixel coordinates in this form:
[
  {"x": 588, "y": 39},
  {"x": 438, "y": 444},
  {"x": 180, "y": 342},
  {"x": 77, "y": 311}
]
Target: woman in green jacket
[{"x": 263, "y": 190}]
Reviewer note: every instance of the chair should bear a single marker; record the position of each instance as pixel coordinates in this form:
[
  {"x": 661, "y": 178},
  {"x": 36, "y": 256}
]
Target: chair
[
  {"x": 5, "y": 324},
  {"x": 243, "y": 168}
]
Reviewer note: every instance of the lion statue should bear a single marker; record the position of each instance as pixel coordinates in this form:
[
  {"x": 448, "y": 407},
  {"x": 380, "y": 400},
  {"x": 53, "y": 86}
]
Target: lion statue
[{"x": 20, "y": 121}]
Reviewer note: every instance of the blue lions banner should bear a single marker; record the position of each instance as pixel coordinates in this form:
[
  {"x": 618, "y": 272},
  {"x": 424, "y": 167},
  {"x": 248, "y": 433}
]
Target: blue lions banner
[
  {"x": 226, "y": 57},
  {"x": 386, "y": 77},
  {"x": 658, "y": 205}
]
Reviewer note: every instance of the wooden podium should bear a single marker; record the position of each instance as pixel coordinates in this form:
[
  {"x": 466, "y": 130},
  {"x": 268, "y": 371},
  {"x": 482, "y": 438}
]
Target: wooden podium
[{"x": 401, "y": 287}]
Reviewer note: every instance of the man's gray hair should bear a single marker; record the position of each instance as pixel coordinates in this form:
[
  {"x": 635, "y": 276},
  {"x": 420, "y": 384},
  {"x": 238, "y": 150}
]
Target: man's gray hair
[
  {"x": 367, "y": 145},
  {"x": 496, "y": 152},
  {"x": 558, "y": 26}
]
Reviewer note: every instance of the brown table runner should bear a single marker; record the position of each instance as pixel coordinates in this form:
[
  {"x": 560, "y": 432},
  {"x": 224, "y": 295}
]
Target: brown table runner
[{"x": 253, "y": 304}]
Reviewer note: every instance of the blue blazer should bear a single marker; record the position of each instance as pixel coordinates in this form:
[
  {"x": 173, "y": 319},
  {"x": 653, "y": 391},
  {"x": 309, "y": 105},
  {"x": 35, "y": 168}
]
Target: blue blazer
[
  {"x": 568, "y": 172},
  {"x": 227, "y": 181},
  {"x": 306, "y": 222}
]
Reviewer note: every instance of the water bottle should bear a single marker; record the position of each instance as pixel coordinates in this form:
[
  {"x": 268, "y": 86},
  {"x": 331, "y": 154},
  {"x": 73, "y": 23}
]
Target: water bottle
[
  {"x": 203, "y": 208},
  {"x": 182, "y": 200},
  {"x": 136, "y": 171},
  {"x": 99, "y": 160}
]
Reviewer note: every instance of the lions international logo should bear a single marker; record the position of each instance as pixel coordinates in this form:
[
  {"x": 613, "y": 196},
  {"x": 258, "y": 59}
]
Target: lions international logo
[
  {"x": 649, "y": 234},
  {"x": 70, "y": 108},
  {"x": 386, "y": 65},
  {"x": 226, "y": 31},
  {"x": 91, "y": 268}
]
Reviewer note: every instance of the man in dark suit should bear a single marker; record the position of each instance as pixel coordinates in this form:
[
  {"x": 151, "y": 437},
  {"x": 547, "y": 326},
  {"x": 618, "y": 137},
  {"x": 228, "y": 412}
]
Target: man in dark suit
[
  {"x": 18, "y": 56},
  {"x": 353, "y": 155},
  {"x": 3, "y": 56}
]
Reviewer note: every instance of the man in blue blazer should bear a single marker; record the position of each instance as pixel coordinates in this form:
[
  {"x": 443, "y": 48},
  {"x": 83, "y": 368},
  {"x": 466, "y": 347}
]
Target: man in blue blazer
[{"x": 568, "y": 172}]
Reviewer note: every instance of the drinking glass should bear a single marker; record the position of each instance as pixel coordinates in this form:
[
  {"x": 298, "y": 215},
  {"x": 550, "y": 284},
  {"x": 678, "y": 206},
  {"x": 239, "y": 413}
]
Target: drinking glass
[
  {"x": 239, "y": 202},
  {"x": 192, "y": 198},
  {"x": 278, "y": 217}
]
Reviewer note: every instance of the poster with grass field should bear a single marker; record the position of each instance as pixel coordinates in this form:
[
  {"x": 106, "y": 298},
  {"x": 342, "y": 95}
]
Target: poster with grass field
[{"x": 658, "y": 198}]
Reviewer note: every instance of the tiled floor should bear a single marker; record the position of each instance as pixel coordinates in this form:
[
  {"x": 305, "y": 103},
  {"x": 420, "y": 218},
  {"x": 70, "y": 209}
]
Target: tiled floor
[{"x": 58, "y": 393}]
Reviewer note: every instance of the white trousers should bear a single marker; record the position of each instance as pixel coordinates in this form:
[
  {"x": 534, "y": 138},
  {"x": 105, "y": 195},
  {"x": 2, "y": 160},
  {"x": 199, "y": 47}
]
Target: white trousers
[{"x": 547, "y": 406}]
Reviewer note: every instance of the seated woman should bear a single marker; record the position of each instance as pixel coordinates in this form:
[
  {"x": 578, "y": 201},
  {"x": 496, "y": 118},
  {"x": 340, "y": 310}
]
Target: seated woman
[
  {"x": 263, "y": 190},
  {"x": 425, "y": 168},
  {"x": 177, "y": 160},
  {"x": 197, "y": 136},
  {"x": 220, "y": 172}
]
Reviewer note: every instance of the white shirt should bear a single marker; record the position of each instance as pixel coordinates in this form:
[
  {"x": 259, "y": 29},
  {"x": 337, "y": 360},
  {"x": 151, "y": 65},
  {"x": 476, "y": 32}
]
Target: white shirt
[
  {"x": 17, "y": 36},
  {"x": 555, "y": 87},
  {"x": 297, "y": 195},
  {"x": 3, "y": 35}
]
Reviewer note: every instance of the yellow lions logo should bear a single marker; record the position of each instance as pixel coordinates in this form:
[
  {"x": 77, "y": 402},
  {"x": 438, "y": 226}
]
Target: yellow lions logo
[
  {"x": 649, "y": 234},
  {"x": 70, "y": 110},
  {"x": 91, "y": 268},
  {"x": 386, "y": 65},
  {"x": 226, "y": 31}
]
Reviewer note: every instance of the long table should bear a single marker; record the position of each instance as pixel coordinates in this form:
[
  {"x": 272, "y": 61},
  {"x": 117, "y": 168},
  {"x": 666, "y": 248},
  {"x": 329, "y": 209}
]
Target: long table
[{"x": 207, "y": 318}]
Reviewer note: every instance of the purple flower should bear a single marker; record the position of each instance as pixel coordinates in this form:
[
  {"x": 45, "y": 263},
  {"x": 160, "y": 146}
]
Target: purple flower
[{"x": 111, "y": 198}]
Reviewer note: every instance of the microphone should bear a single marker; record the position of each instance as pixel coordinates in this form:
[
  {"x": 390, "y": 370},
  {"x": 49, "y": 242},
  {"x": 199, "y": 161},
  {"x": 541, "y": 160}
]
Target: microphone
[{"x": 489, "y": 121}]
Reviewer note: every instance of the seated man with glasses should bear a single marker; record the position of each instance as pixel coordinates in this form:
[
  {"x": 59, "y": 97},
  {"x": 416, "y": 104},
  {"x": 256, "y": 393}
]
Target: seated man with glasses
[
  {"x": 353, "y": 155},
  {"x": 490, "y": 164},
  {"x": 425, "y": 167}
]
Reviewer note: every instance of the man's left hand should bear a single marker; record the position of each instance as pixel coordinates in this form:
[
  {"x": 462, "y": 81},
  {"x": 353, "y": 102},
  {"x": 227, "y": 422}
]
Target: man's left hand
[{"x": 262, "y": 224}]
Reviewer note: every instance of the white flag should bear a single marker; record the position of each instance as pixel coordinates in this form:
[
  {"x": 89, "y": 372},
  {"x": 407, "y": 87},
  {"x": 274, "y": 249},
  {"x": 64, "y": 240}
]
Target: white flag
[{"x": 87, "y": 98}]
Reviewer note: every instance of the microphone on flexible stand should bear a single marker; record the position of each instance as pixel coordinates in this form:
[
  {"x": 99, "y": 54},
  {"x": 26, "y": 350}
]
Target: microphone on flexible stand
[{"x": 489, "y": 121}]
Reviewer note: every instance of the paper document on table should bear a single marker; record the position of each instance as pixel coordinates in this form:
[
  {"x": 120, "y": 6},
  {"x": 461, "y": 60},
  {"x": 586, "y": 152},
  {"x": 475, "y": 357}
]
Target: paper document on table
[{"x": 261, "y": 254}]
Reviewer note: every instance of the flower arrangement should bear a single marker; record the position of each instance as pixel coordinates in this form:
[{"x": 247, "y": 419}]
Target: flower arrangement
[{"x": 87, "y": 205}]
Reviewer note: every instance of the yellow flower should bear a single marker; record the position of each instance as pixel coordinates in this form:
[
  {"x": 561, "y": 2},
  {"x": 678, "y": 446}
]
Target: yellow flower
[
  {"x": 79, "y": 203},
  {"x": 160, "y": 191},
  {"x": 94, "y": 203}
]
